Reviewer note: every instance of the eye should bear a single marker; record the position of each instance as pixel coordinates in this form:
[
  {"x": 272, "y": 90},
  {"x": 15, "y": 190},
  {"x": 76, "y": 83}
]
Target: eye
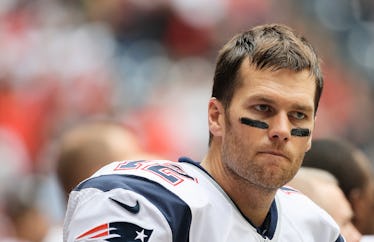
[
  {"x": 298, "y": 115},
  {"x": 262, "y": 108}
]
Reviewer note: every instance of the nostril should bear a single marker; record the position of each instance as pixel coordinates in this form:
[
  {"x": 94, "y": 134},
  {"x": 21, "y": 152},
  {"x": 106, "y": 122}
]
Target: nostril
[{"x": 280, "y": 137}]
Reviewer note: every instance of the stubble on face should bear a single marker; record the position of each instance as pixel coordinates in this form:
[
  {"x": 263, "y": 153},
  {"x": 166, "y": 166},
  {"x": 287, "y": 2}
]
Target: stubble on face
[{"x": 240, "y": 158}]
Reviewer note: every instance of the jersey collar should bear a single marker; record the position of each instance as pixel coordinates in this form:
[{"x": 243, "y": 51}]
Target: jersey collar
[{"x": 267, "y": 229}]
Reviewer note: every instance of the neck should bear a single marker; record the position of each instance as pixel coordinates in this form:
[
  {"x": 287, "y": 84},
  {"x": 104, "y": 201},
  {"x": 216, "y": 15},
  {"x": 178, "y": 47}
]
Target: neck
[{"x": 252, "y": 200}]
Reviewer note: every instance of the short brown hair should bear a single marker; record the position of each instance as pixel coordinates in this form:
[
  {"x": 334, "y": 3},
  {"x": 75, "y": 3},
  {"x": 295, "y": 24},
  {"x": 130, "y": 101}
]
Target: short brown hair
[{"x": 272, "y": 46}]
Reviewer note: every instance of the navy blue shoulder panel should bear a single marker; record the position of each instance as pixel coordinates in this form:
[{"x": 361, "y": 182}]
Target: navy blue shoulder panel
[
  {"x": 340, "y": 239},
  {"x": 175, "y": 210}
]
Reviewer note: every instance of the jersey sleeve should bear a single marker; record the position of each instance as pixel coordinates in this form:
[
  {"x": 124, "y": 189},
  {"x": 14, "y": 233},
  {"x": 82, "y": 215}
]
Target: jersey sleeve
[
  {"x": 306, "y": 219},
  {"x": 125, "y": 208}
]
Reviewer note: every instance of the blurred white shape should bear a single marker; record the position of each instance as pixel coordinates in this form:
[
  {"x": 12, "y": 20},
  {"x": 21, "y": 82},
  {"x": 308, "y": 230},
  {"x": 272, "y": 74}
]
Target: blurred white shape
[
  {"x": 15, "y": 161},
  {"x": 200, "y": 13},
  {"x": 78, "y": 50},
  {"x": 367, "y": 238},
  {"x": 143, "y": 66},
  {"x": 144, "y": 49},
  {"x": 6, "y": 5},
  {"x": 360, "y": 45},
  {"x": 187, "y": 94},
  {"x": 337, "y": 15},
  {"x": 369, "y": 57}
]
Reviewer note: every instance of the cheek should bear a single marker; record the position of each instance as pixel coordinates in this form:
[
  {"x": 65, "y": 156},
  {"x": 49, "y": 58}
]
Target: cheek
[
  {"x": 302, "y": 144},
  {"x": 299, "y": 154},
  {"x": 309, "y": 144}
]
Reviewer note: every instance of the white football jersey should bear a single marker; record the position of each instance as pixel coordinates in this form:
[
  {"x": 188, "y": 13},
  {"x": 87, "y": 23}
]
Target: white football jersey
[{"x": 165, "y": 201}]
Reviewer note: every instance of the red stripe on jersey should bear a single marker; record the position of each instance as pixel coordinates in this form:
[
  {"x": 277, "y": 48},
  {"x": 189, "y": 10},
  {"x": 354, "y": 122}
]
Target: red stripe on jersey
[
  {"x": 105, "y": 233},
  {"x": 96, "y": 229}
]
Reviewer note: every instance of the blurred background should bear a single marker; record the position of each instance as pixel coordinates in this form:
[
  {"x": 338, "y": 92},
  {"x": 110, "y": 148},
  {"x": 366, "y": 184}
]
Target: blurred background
[{"x": 149, "y": 64}]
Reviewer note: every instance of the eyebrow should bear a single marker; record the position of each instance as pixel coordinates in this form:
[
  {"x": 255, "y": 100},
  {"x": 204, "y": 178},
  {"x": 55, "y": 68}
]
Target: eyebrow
[{"x": 304, "y": 108}]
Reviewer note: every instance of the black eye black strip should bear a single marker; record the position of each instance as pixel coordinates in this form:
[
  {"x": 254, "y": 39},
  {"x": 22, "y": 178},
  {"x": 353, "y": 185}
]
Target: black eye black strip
[
  {"x": 300, "y": 132},
  {"x": 254, "y": 123}
]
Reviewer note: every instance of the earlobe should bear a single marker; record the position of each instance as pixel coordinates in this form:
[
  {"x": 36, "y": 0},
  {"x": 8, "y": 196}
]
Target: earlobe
[{"x": 215, "y": 118}]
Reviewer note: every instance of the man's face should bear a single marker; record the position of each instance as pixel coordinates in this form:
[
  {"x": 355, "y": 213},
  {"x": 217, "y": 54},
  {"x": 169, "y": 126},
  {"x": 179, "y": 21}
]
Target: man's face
[{"x": 284, "y": 100}]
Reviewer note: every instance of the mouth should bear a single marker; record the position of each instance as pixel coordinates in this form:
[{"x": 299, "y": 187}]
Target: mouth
[{"x": 274, "y": 153}]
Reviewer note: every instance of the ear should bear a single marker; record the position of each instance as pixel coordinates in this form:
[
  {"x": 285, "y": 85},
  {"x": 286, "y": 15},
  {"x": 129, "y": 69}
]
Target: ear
[{"x": 215, "y": 117}]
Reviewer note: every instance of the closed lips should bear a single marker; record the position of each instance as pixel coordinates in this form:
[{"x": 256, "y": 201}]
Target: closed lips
[{"x": 277, "y": 153}]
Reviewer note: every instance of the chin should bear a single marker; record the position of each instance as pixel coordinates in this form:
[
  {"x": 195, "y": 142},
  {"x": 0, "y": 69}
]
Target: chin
[{"x": 273, "y": 180}]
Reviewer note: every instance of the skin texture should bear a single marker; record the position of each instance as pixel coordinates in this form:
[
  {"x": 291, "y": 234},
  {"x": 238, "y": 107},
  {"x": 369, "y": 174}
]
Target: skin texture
[
  {"x": 322, "y": 187},
  {"x": 339, "y": 208},
  {"x": 355, "y": 173},
  {"x": 251, "y": 162},
  {"x": 362, "y": 199}
]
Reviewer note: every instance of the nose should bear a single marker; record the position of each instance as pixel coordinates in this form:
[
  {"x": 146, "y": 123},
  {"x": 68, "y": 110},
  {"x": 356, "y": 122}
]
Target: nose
[{"x": 279, "y": 128}]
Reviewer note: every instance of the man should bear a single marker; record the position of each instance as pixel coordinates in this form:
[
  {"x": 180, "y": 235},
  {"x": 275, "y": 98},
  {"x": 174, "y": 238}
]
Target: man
[
  {"x": 323, "y": 188},
  {"x": 87, "y": 146},
  {"x": 265, "y": 95},
  {"x": 21, "y": 204},
  {"x": 355, "y": 174}
]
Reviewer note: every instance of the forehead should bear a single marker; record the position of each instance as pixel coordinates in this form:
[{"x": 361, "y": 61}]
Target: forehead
[{"x": 297, "y": 87}]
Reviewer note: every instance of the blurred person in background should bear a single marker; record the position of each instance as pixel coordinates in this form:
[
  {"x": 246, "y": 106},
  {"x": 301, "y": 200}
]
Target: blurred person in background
[
  {"x": 87, "y": 146},
  {"x": 15, "y": 164},
  {"x": 41, "y": 36},
  {"x": 265, "y": 96},
  {"x": 322, "y": 187},
  {"x": 354, "y": 172},
  {"x": 28, "y": 221},
  {"x": 84, "y": 147}
]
